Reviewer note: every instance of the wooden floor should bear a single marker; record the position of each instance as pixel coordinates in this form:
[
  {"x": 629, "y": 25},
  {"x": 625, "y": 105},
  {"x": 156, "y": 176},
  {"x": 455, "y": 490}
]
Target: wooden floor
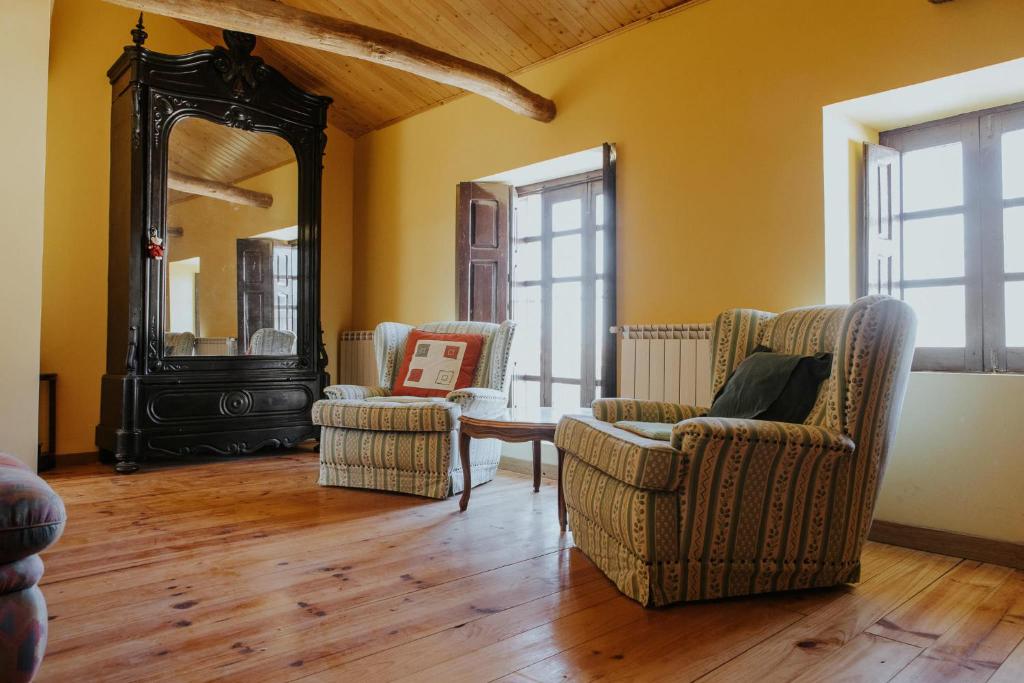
[{"x": 247, "y": 571}]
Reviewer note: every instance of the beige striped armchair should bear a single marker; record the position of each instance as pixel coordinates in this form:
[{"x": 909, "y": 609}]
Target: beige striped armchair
[
  {"x": 730, "y": 507},
  {"x": 372, "y": 439}
]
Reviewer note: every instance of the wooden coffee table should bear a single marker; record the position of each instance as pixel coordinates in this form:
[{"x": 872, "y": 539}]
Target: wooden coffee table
[{"x": 515, "y": 426}]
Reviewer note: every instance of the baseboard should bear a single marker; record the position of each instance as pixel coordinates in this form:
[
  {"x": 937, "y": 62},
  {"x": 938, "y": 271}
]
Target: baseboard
[
  {"x": 520, "y": 466},
  {"x": 64, "y": 459},
  {"x": 968, "y": 547}
]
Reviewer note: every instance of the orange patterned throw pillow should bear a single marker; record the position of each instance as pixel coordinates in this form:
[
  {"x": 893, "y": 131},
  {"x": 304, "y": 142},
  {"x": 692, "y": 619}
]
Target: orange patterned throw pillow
[{"x": 437, "y": 363}]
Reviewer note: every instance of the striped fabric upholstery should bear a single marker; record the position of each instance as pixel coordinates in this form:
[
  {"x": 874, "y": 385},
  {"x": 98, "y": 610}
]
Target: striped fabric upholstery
[
  {"x": 759, "y": 506},
  {"x": 625, "y": 456},
  {"x": 371, "y": 439},
  {"x": 619, "y": 409},
  {"x": 388, "y": 416}
]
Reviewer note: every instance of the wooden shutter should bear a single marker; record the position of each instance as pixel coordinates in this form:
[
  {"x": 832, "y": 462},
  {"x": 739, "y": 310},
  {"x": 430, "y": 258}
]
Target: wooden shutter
[
  {"x": 609, "y": 354},
  {"x": 881, "y": 236},
  {"x": 255, "y": 288},
  {"x": 482, "y": 251}
]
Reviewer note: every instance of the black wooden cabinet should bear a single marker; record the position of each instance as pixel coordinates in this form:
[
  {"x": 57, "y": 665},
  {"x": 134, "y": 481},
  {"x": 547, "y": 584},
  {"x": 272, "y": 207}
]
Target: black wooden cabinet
[{"x": 210, "y": 117}]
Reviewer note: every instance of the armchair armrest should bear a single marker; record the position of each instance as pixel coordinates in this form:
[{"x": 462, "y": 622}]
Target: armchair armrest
[
  {"x": 773, "y": 438},
  {"x": 616, "y": 409},
  {"x": 479, "y": 402},
  {"x": 354, "y": 391}
]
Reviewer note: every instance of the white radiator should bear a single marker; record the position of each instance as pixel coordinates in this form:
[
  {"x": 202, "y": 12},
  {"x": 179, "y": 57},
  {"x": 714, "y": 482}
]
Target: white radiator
[
  {"x": 665, "y": 363},
  {"x": 356, "y": 361}
]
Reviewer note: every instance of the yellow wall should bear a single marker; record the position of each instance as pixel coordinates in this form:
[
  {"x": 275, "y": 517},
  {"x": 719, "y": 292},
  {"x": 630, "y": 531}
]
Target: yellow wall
[
  {"x": 717, "y": 114},
  {"x": 716, "y": 111},
  {"x": 24, "y": 36},
  {"x": 87, "y": 36}
]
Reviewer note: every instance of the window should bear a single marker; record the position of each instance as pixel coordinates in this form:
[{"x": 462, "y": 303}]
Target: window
[
  {"x": 286, "y": 285},
  {"x": 558, "y": 292},
  {"x": 958, "y": 203}
]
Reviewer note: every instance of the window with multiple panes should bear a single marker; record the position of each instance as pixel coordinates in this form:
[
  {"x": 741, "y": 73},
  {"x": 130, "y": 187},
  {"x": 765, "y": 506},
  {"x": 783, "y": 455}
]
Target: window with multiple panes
[
  {"x": 959, "y": 207},
  {"x": 558, "y": 289}
]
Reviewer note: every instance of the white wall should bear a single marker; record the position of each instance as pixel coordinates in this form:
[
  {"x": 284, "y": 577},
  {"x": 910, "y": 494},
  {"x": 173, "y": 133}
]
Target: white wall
[
  {"x": 958, "y": 460},
  {"x": 24, "y": 60}
]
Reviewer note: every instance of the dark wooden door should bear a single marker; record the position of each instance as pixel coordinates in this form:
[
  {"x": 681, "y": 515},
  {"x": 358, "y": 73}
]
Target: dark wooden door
[
  {"x": 482, "y": 251},
  {"x": 881, "y": 239},
  {"x": 255, "y": 288}
]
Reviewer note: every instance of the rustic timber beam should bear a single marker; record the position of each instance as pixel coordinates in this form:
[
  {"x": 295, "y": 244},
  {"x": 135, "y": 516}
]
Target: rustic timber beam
[
  {"x": 278, "y": 21},
  {"x": 218, "y": 190}
]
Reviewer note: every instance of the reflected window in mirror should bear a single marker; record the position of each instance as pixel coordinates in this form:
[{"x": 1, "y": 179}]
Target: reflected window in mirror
[{"x": 232, "y": 268}]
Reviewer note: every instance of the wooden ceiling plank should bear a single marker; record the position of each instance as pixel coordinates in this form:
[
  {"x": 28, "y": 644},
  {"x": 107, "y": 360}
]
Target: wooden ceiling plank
[
  {"x": 425, "y": 90},
  {"x": 586, "y": 19},
  {"x": 560, "y": 37},
  {"x": 516, "y": 20},
  {"x": 480, "y": 24},
  {"x": 608, "y": 20},
  {"x": 276, "y": 20}
]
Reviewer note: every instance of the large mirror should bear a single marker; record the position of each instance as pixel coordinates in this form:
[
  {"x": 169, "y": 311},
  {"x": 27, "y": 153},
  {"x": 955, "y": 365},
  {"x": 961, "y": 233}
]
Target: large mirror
[{"x": 231, "y": 253}]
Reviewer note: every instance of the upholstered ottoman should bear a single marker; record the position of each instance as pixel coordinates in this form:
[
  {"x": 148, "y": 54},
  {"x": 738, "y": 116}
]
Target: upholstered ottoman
[
  {"x": 395, "y": 443},
  {"x": 31, "y": 518}
]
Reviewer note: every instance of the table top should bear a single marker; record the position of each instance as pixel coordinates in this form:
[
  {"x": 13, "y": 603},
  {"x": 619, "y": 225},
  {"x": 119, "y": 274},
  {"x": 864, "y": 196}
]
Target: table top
[{"x": 531, "y": 416}]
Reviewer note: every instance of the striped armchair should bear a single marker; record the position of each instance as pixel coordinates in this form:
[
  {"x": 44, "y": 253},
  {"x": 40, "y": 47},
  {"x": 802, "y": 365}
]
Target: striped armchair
[
  {"x": 372, "y": 439},
  {"x": 730, "y": 507}
]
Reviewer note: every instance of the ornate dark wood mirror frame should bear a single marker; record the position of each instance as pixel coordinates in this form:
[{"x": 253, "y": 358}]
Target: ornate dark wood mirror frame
[{"x": 156, "y": 404}]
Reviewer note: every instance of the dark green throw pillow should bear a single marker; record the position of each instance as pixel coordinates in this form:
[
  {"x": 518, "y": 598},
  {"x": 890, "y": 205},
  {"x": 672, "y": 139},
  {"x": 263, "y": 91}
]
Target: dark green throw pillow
[{"x": 772, "y": 386}]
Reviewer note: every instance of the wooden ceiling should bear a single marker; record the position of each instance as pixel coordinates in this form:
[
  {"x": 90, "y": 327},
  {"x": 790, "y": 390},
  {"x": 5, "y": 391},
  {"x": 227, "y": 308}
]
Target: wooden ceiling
[
  {"x": 203, "y": 149},
  {"x": 507, "y": 36}
]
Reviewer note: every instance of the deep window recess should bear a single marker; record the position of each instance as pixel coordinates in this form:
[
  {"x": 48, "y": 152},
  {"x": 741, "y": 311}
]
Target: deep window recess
[
  {"x": 558, "y": 291},
  {"x": 951, "y": 194}
]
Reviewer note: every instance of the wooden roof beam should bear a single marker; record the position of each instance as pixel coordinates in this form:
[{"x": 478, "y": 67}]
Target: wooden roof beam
[
  {"x": 218, "y": 190},
  {"x": 278, "y": 21}
]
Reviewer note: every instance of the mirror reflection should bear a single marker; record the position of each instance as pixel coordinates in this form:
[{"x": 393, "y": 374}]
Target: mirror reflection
[{"x": 231, "y": 253}]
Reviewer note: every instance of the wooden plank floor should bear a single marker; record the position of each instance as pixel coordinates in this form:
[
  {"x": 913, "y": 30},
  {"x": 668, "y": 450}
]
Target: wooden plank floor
[{"x": 246, "y": 570}]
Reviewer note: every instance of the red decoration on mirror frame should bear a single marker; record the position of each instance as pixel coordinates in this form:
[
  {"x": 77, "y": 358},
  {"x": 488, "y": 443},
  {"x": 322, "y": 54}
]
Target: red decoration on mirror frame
[{"x": 155, "y": 248}]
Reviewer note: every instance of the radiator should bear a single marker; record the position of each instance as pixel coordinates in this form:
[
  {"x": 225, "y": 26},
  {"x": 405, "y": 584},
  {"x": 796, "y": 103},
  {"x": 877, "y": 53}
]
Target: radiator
[
  {"x": 356, "y": 362},
  {"x": 665, "y": 363}
]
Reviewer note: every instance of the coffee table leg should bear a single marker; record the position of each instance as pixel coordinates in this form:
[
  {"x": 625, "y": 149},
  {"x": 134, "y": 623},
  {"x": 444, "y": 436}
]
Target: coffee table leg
[
  {"x": 467, "y": 475},
  {"x": 536, "y": 466},
  {"x": 561, "y": 494}
]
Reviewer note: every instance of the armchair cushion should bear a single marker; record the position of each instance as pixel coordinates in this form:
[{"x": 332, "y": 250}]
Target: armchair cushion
[
  {"x": 388, "y": 415},
  {"x": 659, "y": 431},
  {"x": 353, "y": 391},
  {"x": 479, "y": 402},
  {"x": 618, "y": 409},
  {"x": 629, "y": 458},
  {"x": 437, "y": 363},
  {"x": 781, "y": 387}
]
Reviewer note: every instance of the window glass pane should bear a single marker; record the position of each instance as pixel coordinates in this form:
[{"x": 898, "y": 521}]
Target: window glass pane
[
  {"x": 600, "y": 328},
  {"x": 567, "y": 256},
  {"x": 599, "y": 209},
  {"x": 565, "y": 397},
  {"x": 599, "y": 251},
  {"x": 933, "y": 178},
  {"x": 567, "y": 215},
  {"x": 526, "y": 394},
  {"x": 1015, "y": 313},
  {"x": 1013, "y": 164},
  {"x": 566, "y": 342},
  {"x": 527, "y": 261},
  {"x": 526, "y": 309},
  {"x": 941, "y": 315},
  {"x": 1013, "y": 239},
  {"x": 528, "y": 216},
  {"x": 933, "y": 247}
]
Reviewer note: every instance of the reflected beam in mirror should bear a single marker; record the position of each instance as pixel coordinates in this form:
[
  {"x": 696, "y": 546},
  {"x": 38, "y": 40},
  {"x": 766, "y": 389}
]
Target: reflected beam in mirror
[
  {"x": 280, "y": 22},
  {"x": 218, "y": 190}
]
